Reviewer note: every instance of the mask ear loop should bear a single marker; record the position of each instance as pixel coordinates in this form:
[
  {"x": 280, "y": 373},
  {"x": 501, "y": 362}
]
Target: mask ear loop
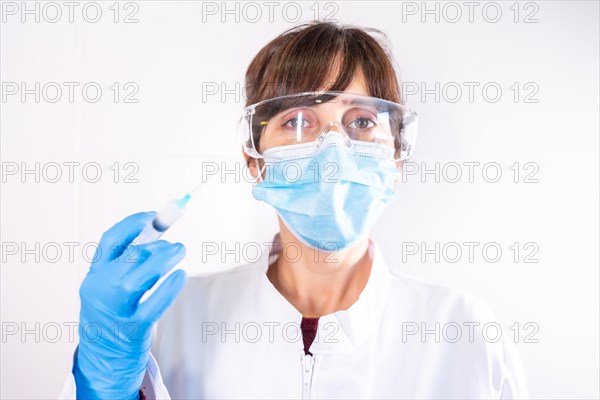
[
  {"x": 259, "y": 177},
  {"x": 262, "y": 169}
]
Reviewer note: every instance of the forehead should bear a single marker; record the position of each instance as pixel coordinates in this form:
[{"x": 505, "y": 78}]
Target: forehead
[{"x": 357, "y": 86}]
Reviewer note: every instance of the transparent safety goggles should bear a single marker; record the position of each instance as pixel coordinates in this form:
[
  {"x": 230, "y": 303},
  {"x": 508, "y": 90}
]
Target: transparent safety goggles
[{"x": 307, "y": 117}]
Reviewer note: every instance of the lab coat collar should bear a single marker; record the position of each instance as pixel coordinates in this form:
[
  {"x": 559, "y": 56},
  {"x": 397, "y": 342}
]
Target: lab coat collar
[{"x": 341, "y": 331}]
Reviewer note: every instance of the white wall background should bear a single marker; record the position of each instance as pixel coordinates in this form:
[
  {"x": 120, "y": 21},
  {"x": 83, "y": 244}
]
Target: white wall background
[{"x": 177, "y": 49}]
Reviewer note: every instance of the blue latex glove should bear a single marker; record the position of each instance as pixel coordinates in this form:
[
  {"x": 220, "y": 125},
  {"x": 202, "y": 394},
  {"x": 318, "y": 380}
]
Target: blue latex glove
[{"x": 114, "y": 327}]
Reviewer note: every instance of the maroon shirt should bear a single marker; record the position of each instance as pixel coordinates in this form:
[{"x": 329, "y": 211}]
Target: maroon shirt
[{"x": 309, "y": 331}]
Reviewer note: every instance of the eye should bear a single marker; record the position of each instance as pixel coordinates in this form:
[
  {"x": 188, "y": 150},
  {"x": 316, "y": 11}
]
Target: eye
[
  {"x": 296, "y": 120},
  {"x": 293, "y": 123},
  {"x": 360, "y": 119},
  {"x": 362, "y": 123}
]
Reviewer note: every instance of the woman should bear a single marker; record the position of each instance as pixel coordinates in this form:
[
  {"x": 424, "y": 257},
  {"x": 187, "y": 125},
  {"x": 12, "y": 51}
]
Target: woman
[{"x": 320, "y": 315}]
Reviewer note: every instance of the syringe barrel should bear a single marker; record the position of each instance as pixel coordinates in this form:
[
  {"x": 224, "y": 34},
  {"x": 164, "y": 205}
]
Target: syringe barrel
[
  {"x": 161, "y": 222},
  {"x": 148, "y": 234}
]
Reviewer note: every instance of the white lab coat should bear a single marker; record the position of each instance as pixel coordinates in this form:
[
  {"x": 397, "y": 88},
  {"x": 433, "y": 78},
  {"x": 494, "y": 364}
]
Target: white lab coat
[{"x": 232, "y": 335}]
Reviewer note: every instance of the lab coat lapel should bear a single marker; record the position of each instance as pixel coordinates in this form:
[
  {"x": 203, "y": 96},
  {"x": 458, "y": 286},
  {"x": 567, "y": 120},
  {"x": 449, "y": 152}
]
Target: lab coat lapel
[{"x": 339, "y": 332}]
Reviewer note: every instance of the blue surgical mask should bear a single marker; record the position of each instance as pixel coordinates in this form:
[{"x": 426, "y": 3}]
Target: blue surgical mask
[{"x": 329, "y": 193}]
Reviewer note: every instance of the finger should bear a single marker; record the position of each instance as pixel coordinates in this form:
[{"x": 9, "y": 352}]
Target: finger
[
  {"x": 138, "y": 253},
  {"x": 116, "y": 239},
  {"x": 154, "y": 307},
  {"x": 140, "y": 279}
]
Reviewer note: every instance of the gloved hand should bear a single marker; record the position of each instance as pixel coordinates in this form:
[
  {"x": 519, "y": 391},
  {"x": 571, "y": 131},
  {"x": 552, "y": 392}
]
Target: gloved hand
[{"x": 114, "y": 327}]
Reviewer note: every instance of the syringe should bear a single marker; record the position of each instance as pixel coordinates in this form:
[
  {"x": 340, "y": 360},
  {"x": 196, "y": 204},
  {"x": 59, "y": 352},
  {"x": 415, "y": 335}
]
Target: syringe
[{"x": 164, "y": 219}]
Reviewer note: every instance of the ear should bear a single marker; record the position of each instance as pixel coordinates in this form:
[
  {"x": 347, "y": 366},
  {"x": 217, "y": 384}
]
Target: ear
[{"x": 251, "y": 164}]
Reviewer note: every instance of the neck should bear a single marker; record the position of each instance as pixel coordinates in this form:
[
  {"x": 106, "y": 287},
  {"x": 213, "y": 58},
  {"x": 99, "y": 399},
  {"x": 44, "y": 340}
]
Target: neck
[{"x": 316, "y": 282}]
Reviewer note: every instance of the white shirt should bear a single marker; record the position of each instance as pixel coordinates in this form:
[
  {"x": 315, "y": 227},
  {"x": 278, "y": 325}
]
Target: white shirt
[{"x": 231, "y": 334}]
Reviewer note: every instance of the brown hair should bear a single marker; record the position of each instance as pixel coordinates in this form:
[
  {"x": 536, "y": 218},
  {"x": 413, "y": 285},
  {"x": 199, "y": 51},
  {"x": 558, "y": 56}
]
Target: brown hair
[{"x": 321, "y": 56}]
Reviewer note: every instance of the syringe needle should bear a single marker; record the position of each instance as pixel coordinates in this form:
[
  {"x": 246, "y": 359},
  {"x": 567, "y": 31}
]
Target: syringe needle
[{"x": 195, "y": 188}]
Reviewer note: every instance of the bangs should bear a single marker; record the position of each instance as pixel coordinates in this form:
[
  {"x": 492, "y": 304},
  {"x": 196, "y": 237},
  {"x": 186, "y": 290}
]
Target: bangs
[{"x": 321, "y": 56}]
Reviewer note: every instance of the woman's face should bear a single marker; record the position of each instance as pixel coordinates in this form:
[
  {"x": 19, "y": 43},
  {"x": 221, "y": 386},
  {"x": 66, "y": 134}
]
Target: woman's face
[
  {"x": 326, "y": 112},
  {"x": 301, "y": 123}
]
